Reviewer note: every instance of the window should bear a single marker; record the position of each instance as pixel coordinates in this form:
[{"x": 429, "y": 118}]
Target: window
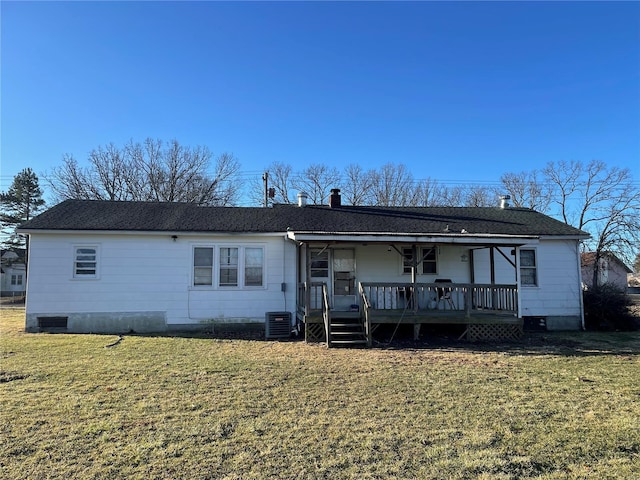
[
  {"x": 228, "y": 267},
  {"x": 319, "y": 263},
  {"x": 429, "y": 264},
  {"x": 203, "y": 266},
  {"x": 86, "y": 262},
  {"x": 16, "y": 279},
  {"x": 253, "y": 261},
  {"x": 528, "y": 268},
  {"x": 241, "y": 266}
]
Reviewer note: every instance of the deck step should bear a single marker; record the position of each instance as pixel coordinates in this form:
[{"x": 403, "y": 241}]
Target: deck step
[
  {"x": 348, "y": 342},
  {"x": 350, "y": 325}
]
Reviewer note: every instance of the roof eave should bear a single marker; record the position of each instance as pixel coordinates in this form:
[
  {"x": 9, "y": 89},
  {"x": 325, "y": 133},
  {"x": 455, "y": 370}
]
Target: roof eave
[
  {"x": 380, "y": 237},
  {"x": 31, "y": 231}
]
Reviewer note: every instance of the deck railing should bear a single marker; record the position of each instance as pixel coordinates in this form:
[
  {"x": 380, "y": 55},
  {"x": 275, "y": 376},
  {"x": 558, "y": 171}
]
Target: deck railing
[
  {"x": 462, "y": 297},
  {"x": 310, "y": 299}
]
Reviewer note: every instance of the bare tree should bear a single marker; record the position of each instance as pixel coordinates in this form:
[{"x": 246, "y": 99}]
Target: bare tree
[
  {"x": 565, "y": 179},
  {"x": 357, "y": 185},
  {"x": 452, "y": 196},
  {"x": 601, "y": 200},
  {"x": 149, "y": 172},
  {"x": 281, "y": 179},
  {"x": 429, "y": 193},
  {"x": 527, "y": 190},
  {"x": 478, "y": 196},
  {"x": 316, "y": 181},
  {"x": 393, "y": 185}
]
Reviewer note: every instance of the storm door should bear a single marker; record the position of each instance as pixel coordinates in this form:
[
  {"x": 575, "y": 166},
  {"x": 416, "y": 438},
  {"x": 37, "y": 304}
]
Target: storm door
[{"x": 344, "y": 279}]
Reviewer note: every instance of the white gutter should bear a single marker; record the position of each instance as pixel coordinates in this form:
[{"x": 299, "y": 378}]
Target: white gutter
[
  {"x": 460, "y": 239},
  {"x": 148, "y": 232}
]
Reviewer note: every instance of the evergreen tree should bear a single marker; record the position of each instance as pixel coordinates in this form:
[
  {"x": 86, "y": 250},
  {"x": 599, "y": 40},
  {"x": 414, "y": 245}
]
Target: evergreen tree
[{"x": 20, "y": 203}]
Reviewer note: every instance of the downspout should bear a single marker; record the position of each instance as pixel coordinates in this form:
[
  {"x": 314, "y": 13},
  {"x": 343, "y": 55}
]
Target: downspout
[
  {"x": 578, "y": 262},
  {"x": 284, "y": 272}
]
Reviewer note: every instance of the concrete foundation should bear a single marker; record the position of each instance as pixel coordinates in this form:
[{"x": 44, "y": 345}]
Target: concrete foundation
[
  {"x": 564, "y": 323},
  {"x": 131, "y": 322},
  {"x": 98, "y": 322}
]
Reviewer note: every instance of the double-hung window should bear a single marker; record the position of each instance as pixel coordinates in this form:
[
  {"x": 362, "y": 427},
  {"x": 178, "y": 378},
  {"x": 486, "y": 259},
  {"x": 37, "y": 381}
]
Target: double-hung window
[
  {"x": 203, "y": 266},
  {"x": 16, "y": 279},
  {"x": 253, "y": 262},
  {"x": 528, "y": 267},
  {"x": 427, "y": 260},
  {"x": 229, "y": 267},
  {"x": 85, "y": 262}
]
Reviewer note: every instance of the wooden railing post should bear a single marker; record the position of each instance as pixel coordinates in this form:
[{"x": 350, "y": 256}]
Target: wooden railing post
[{"x": 468, "y": 301}]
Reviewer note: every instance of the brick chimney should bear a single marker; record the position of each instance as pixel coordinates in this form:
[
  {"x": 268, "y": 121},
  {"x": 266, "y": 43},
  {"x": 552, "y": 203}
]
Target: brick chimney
[{"x": 334, "y": 198}]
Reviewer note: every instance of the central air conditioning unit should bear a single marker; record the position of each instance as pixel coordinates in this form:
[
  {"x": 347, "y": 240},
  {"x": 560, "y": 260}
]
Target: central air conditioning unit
[{"x": 277, "y": 325}]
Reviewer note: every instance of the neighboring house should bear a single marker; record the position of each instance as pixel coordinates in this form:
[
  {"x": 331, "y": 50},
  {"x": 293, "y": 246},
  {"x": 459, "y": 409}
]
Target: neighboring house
[
  {"x": 611, "y": 270},
  {"x": 13, "y": 279},
  {"x": 97, "y": 266}
]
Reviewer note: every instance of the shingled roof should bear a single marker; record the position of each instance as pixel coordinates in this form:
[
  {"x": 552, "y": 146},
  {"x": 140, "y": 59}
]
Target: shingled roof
[{"x": 94, "y": 215}]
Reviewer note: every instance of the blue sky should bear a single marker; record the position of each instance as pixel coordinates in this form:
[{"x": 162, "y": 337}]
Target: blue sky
[{"x": 459, "y": 92}]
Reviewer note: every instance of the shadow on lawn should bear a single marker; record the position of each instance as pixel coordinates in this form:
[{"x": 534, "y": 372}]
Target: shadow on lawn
[
  {"x": 578, "y": 344},
  {"x": 533, "y": 343}
]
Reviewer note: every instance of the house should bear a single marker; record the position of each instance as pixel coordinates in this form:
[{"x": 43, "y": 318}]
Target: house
[
  {"x": 341, "y": 271},
  {"x": 12, "y": 272},
  {"x": 611, "y": 270}
]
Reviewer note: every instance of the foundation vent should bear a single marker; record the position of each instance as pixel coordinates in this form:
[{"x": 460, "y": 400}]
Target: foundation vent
[{"x": 52, "y": 322}]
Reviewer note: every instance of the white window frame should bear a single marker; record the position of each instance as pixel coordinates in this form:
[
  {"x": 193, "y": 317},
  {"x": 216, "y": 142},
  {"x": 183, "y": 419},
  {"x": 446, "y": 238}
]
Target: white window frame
[
  {"x": 16, "y": 279},
  {"x": 421, "y": 252},
  {"x": 246, "y": 266},
  {"x": 241, "y": 267},
  {"x": 535, "y": 267},
  {"x": 76, "y": 253},
  {"x": 230, "y": 266},
  {"x": 211, "y": 267}
]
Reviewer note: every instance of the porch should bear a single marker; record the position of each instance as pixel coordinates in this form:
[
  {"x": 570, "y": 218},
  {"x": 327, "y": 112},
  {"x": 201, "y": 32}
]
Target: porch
[{"x": 488, "y": 311}]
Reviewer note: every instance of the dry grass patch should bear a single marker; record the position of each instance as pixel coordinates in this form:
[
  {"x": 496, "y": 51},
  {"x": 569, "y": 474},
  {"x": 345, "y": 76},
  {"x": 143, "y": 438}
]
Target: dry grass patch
[{"x": 558, "y": 406}]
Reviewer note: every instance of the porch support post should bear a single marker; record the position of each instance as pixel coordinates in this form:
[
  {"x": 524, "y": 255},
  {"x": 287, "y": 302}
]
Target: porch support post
[
  {"x": 492, "y": 260},
  {"x": 416, "y": 331},
  {"x": 472, "y": 277},
  {"x": 518, "y": 285},
  {"x": 414, "y": 282},
  {"x": 307, "y": 290},
  {"x": 494, "y": 296}
]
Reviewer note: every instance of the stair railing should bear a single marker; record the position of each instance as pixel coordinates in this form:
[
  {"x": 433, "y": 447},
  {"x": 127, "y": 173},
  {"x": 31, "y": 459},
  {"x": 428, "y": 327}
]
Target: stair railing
[
  {"x": 326, "y": 313},
  {"x": 366, "y": 306}
]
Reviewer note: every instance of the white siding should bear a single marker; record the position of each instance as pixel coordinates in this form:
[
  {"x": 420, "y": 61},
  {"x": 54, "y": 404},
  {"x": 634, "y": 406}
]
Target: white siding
[
  {"x": 144, "y": 273},
  {"x": 558, "y": 293},
  {"x": 379, "y": 264}
]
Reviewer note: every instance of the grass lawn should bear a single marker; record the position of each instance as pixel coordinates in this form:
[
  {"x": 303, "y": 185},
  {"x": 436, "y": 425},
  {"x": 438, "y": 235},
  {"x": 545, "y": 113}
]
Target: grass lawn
[{"x": 555, "y": 406}]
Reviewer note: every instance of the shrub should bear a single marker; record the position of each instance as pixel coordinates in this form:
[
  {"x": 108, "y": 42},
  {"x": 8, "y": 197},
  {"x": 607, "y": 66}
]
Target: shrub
[{"x": 607, "y": 308}]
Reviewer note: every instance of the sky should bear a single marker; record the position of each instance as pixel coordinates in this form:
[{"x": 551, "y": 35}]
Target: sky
[{"x": 458, "y": 92}]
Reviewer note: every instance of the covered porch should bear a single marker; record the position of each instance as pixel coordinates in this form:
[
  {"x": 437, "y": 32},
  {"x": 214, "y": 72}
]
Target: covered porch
[{"x": 349, "y": 287}]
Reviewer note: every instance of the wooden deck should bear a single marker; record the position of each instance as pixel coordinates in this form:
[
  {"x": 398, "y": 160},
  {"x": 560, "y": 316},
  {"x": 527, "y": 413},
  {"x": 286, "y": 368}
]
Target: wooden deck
[{"x": 489, "y": 312}]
